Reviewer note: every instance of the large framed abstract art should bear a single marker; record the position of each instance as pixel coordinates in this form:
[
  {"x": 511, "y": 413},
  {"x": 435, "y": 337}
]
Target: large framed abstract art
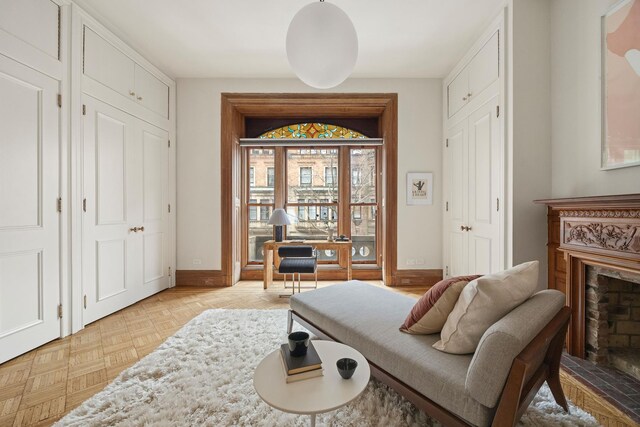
[{"x": 621, "y": 85}]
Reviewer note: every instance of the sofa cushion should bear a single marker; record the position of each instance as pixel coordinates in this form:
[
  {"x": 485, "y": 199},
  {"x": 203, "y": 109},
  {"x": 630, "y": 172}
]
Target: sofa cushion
[
  {"x": 483, "y": 302},
  {"x": 430, "y": 313},
  {"x": 504, "y": 340},
  {"x": 366, "y": 318}
]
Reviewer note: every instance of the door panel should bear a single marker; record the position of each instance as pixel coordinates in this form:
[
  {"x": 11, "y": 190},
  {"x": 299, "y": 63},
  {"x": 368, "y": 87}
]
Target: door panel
[
  {"x": 480, "y": 145},
  {"x": 151, "y": 92},
  {"x": 108, "y": 280},
  {"x": 110, "y": 142},
  {"x": 22, "y": 310},
  {"x": 458, "y": 257},
  {"x": 104, "y": 63},
  {"x": 457, "y": 178},
  {"x": 153, "y": 257},
  {"x": 482, "y": 250},
  {"x": 484, "y": 67},
  {"x": 154, "y": 209},
  {"x": 110, "y": 265},
  {"x": 29, "y": 221},
  {"x": 484, "y": 188},
  {"x": 19, "y": 159},
  {"x": 457, "y": 92},
  {"x": 32, "y": 21}
]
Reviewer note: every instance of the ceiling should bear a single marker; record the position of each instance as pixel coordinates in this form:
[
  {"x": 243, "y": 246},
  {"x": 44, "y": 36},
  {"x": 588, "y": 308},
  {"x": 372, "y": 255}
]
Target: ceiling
[{"x": 246, "y": 38}]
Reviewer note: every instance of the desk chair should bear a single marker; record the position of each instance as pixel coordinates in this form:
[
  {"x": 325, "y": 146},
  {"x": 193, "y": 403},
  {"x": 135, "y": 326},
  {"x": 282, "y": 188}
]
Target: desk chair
[{"x": 297, "y": 260}]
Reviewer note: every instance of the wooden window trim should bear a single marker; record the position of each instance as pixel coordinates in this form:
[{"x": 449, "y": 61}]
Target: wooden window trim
[{"x": 235, "y": 108}]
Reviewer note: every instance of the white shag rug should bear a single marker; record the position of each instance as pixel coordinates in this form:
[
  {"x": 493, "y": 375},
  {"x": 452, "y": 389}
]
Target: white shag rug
[{"x": 203, "y": 375}]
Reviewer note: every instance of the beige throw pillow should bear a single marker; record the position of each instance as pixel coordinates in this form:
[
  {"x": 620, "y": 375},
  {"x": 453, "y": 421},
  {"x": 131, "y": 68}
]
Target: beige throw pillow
[{"x": 483, "y": 302}]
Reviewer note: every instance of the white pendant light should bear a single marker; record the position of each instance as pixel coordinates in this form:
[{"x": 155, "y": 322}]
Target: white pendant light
[{"x": 322, "y": 45}]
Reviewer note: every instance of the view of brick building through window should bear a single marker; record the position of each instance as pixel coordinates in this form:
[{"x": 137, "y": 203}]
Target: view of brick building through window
[{"x": 312, "y": 177}]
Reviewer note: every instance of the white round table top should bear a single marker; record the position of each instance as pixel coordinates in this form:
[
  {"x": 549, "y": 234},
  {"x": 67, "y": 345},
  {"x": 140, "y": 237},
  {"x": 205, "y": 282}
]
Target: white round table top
[{"x": 314, "y": 395}]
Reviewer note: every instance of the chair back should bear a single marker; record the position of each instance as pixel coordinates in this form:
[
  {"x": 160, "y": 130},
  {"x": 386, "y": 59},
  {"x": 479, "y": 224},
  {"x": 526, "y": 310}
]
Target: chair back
[{"x": 295, "y": 251}]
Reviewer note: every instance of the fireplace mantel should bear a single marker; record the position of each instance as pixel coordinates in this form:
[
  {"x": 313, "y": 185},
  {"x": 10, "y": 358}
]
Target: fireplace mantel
[{"x": 599, "y": 231}]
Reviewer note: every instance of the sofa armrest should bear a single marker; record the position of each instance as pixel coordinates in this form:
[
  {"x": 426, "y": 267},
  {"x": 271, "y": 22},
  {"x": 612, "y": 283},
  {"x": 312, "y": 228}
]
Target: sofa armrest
[{"x": 504, "y": 340}]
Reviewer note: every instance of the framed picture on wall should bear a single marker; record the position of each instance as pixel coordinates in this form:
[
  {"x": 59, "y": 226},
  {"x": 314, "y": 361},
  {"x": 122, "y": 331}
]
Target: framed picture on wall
[
  {"x": 419, "y": 188},
  {"x": 621, "y": 85}
]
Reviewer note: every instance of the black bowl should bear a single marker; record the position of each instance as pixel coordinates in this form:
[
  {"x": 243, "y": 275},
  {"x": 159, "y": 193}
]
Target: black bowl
[
  {"x": 298, "y": 343},
  {"x": 346, "y": 367}
]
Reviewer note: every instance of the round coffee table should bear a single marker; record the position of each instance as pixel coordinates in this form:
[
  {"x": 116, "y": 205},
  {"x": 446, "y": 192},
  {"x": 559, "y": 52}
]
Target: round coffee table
[{"x": 315, "y": 395}]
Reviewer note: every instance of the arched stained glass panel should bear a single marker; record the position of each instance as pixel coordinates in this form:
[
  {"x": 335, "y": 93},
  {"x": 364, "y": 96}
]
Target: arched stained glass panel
[{"x": 312, "y": 131}]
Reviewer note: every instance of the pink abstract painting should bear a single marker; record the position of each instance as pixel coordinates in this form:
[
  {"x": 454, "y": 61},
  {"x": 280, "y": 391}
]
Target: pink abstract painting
[{"x": 621, "y": 85}]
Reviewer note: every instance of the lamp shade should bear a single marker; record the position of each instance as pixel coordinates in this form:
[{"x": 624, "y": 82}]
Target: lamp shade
[
  {"x": 280, "y": 217},
  {"x": 322, "y": 45}
]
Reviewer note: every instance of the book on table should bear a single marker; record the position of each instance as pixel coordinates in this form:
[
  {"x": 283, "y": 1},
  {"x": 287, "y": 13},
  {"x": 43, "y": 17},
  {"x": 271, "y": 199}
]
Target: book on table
[{"x": 302, "y": 367}]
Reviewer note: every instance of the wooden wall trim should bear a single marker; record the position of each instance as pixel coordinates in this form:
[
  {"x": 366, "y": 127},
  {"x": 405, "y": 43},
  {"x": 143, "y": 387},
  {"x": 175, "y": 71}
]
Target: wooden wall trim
[
  {"x": 236, "y": 107},
  {"x": 205, "y": 278},
  {"x": 417, "y": 277}
]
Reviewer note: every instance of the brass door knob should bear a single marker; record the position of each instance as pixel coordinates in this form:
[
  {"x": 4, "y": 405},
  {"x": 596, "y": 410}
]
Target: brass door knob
[
  {"x": 132, "y": 93},
  {"x": 134, "y": 229},
  {"x": 468, "y": 228},
  {"x": 462, "y": 228},
  {"x": 142, "y": 228},
  {"x": 139, "y": 98}
]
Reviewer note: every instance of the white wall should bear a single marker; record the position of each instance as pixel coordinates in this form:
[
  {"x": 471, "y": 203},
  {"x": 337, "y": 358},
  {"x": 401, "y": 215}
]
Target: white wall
[
  {"x": 529, "y": 131},
  {"x": 575, "y": 104},
  {"x": 198, "y": 170}
]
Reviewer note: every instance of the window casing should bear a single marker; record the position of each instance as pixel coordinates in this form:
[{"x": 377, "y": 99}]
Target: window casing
[{"x": 307, "y": 183}]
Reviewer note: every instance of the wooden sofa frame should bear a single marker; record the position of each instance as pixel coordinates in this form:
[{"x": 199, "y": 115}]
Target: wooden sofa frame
[{"x": 538, "y": 362}]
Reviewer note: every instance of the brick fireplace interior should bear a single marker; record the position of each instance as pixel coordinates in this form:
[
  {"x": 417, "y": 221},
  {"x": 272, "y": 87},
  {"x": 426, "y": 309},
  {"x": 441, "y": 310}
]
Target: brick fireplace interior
[{"x": 612, "y": 319}]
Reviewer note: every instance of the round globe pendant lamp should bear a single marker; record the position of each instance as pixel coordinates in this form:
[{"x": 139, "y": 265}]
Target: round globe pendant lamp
[{"x": 322, "y": 45}]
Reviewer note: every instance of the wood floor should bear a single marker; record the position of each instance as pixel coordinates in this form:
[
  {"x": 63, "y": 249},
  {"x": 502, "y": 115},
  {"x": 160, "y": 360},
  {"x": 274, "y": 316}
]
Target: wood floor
[{"x": 41, "y": 386}]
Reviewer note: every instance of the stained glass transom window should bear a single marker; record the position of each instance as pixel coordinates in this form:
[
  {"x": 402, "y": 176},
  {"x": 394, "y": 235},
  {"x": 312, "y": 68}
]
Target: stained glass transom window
[{"x": 312, "y": 130}]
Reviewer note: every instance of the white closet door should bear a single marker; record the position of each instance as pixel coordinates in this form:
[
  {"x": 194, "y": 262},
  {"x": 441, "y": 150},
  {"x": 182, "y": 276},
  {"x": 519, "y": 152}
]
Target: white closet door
[
  {"x": 484, "y": 189},
  {"x": 155, "y": 202},
  {"x": 111, "y": 251},
  {"x": 457, "y": 188},
  {"x": 151, "y": 92},
  {"x": 125, "y": 226},
  {"x": 29, "y": 221},
  {"x": 106, "y": 64},
  {"x": 458, "y": 92},
  {"x": 484, "y": 67}
]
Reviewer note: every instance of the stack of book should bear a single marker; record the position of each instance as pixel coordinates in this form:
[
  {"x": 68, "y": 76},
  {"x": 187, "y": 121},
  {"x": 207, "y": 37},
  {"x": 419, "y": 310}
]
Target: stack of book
[{"x": 303, "y": 367}]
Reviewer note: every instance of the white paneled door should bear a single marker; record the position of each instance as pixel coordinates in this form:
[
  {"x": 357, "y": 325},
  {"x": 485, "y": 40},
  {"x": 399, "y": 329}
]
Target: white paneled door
[
  {"x": 125, "y": 223},
  {"x": 473, "y": 182},
  {"x": 484, "y": 190},
  {"x": 29, "y": 217},
  {"x": 457, "y": 201}
]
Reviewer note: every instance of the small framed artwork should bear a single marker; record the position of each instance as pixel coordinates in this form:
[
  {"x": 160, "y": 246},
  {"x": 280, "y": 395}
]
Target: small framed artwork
[
  {"x": 419, "y": 188},
  {"x": 621, "y": 85}
]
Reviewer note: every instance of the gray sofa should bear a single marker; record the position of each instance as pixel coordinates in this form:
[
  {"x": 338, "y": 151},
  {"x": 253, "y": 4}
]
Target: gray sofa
[{"x": 466, "y": 388}]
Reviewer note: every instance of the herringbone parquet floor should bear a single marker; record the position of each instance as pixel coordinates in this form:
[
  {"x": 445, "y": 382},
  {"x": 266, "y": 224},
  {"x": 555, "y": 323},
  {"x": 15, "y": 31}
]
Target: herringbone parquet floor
[{"x": 41, "y": 386}]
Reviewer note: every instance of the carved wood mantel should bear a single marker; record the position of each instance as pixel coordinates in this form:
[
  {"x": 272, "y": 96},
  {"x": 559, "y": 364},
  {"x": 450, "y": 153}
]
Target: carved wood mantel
[{"x": 599, "y": 231}]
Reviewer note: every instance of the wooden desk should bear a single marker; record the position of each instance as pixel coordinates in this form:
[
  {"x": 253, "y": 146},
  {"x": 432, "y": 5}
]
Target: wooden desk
[{"x": 270, "y": 247}]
